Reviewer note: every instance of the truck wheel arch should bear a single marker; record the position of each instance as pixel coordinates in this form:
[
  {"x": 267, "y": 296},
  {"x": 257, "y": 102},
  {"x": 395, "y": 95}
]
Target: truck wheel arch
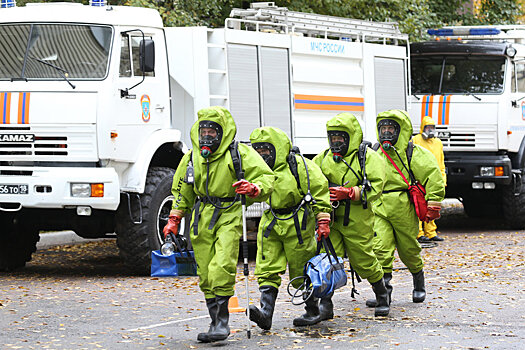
[
  {"x": 518, "y": 159},
  {"x": 163, "y": 148}
]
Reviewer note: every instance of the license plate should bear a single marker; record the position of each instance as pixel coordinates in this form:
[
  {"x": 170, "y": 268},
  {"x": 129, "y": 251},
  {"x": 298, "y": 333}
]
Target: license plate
[{"x": 14, "y": 189}]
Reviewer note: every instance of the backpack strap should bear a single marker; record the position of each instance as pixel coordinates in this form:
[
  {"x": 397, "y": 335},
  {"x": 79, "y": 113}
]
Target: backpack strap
[
  {"x": 409, "y": 152},
  {"x": 236, "y": 158},
  {"x": 376, "y": 146},
  {"x": 292, "y": 164},
  {"x": 365, "y": 185}
]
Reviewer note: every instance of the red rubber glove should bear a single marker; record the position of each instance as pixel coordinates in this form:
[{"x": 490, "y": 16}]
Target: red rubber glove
[
  {"x": 323, "y": 228},
  {"x": 340, "y": 193},
  {"x": 247, "y": 188},
  {"x": 172, "y": 226},
  {"x": 433, "y": 213}
]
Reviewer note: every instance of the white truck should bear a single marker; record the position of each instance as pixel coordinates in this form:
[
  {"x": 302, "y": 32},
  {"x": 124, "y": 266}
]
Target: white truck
[
  {"x": 97, "y": 103},
  {"x": 471, "y": 81}
]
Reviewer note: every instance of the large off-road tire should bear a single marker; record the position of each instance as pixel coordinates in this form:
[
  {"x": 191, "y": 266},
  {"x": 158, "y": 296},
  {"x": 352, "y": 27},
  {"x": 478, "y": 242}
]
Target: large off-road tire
[
  {"x": 136, "y": 241},
  {"x": 514, "y": 207},
  {"x": 17, "y": 243}
]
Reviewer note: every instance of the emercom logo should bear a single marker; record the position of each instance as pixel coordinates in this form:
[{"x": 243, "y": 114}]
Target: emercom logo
[{"x": 17, "y": 138}]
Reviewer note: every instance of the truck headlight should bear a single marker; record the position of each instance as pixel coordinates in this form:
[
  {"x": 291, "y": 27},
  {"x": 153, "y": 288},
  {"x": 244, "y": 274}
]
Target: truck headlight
[
  {"x": 81, "y": 190},
  {"x": 87, "y": 190},
  {"x": 486, "y": 171}
]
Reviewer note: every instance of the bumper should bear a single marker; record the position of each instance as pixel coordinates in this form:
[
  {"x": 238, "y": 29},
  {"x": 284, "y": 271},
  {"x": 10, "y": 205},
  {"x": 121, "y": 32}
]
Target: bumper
[
  {"x": 51, "y": 187},
  {"x": 463, "y": 169}
]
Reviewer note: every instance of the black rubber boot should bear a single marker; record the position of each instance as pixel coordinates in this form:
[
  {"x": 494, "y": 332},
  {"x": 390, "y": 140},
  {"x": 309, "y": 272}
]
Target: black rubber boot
[
  {"x": 311, "y": 316},
  {"x": 263, "y": 316},
  {"x": 419, "y": 293},
  {"x": 382, "y": 307},
  {"x": 326, "y": 308},
  {"x": 212, "y": 309},
  {"x": 222, "y": 330},
  {"x": 387, "y": 277}
]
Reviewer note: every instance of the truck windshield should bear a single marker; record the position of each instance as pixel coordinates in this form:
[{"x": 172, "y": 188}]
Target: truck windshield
[
  {"x": 54, "y": 51},
  {"x": 457, "y": 74}
]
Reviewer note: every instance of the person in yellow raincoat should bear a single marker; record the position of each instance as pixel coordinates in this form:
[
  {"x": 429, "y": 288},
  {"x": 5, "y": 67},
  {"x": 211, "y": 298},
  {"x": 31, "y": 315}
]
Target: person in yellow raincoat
[{"x": 427, "y": 139}]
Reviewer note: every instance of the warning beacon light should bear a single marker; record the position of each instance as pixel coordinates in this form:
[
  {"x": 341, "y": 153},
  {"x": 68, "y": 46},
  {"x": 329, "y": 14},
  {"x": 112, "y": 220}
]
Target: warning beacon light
[
  {"x": 97, "y": 3},
  {"x": 7, "y": 3},
  {"x": 463, "y": 31}
]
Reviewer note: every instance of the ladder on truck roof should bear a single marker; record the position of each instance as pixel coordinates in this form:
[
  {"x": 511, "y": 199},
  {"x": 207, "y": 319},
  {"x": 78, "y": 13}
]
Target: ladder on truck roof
[{"x": 265, "y": 16}]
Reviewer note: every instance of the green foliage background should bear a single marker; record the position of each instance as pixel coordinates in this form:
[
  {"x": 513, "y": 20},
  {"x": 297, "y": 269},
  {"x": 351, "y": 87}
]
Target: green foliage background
[{"x": 413, "y": 16}]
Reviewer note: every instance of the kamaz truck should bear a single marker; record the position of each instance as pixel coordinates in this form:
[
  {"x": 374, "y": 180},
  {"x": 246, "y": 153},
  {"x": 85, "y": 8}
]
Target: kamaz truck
[
  {"x": 97, "y": 103},
  {"x": 471, "y": 81}
]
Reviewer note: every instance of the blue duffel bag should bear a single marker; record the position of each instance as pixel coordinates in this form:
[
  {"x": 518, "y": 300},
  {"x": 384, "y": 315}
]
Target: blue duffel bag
[{"x": 323, "y": 274}]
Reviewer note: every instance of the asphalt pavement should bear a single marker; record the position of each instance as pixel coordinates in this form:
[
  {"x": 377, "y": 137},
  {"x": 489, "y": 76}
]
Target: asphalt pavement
[{"x": 81, "y": 296}]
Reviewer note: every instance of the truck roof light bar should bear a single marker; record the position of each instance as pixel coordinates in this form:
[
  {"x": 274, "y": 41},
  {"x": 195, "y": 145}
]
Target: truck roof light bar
[
  {"x": 97, "y": 3},
  {"x": 463, "y": 31},
  {"x": 7, "y": 3}
]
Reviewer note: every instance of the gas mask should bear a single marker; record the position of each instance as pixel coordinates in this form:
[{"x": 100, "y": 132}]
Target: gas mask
[
  {"x": 210, "y": 136},
  {"x": 267, "y": 151},
  {"x": 388, "y": 132},
  {"x": 338, "y": 141},
  {"x": 429, "y": 131}
]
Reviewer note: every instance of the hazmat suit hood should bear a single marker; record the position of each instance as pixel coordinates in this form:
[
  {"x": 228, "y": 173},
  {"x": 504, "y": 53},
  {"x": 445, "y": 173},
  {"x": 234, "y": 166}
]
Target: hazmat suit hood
[
  {"x": 221, "y": 116},
  {"x": 278, "y": 139},
  {"x": 426, "y": 121},
  {"x": 348, "y": 123},
  {"x": 405, "y": 132}
]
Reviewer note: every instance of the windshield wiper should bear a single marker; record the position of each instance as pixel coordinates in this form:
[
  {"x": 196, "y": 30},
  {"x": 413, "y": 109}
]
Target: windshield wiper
[
  {"x": 62, "y": 71},
  {"x": 470, "y": 93},
  {"x": 414, "y": 94}
]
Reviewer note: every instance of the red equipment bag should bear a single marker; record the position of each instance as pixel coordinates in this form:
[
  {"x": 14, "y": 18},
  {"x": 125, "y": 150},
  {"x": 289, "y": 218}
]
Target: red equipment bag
[{"x": 416, "y": 192}]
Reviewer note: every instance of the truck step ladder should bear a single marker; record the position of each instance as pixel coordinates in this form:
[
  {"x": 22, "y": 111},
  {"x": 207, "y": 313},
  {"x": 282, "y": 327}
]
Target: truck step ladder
[
  {"x": 265, "y": 16},
  {"x": 217, "y": 69}
]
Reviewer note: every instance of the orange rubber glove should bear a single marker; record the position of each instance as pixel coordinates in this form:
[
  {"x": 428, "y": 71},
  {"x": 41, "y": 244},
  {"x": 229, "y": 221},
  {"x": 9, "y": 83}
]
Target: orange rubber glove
[
  {"x": 172, "y": 226},
  {"x": 247, "y": 188},
  {"x": 432, "y": 213},
  {"x": 341, "y": 193},
  {"x": 323, "y": 228}
]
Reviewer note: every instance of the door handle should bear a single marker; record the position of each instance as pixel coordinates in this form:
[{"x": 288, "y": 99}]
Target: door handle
[{"x": 159, "y": 108}]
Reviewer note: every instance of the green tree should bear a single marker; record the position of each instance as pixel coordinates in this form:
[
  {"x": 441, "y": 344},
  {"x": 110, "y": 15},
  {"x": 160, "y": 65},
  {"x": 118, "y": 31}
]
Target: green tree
[
  {"x": 413, "y": 16},
  {"x": 499, "y": 12}
]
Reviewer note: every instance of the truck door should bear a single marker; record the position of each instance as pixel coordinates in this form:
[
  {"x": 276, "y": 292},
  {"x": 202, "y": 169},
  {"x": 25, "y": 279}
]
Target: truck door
[
  {"x": 145, "y": 108},
  {"x": 517, "y": 114}
]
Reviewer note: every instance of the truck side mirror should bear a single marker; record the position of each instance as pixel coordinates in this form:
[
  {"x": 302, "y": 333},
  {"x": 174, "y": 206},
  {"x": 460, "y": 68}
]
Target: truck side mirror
[{"x": 147, "y": 55}]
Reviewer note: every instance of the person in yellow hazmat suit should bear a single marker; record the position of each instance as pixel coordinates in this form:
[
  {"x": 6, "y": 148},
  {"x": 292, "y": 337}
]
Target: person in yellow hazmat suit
[{"x": 427, "y": 139}]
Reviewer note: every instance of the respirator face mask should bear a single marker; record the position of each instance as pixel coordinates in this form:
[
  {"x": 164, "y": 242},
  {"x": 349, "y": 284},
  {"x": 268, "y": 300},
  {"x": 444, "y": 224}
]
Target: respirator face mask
[
  {"x": 267, "y": 151},
  {"x": 388, "y": 133},
  {"x": 338, "y": 141},
  {"x": 429, "y": 132},
  {"x": 210, "y": 136}
]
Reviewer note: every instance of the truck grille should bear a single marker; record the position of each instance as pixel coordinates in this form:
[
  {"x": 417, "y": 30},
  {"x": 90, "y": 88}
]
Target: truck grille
[
  {"x": 74, "y": 142},
  {"x": 43, "y": 145},
  {"x": 481, "y": 138}
]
